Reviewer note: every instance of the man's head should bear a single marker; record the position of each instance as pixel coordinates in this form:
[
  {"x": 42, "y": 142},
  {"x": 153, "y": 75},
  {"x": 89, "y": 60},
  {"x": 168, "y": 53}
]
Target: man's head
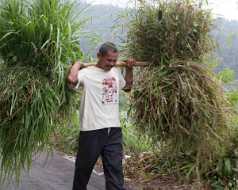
[{"x": 107, "y": 56}]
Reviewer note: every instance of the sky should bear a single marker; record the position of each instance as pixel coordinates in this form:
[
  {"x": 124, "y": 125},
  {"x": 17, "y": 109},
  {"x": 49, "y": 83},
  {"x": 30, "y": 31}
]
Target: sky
[{"x": 224, "y": 8}]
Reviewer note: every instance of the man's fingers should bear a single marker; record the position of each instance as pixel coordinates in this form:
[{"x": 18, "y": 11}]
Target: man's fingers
[{"x": 130, "y": 62}]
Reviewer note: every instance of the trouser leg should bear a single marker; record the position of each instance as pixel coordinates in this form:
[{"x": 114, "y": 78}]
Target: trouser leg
[
  {"x": 90, "y": 147},
  {"x": 112, "y": 155}
]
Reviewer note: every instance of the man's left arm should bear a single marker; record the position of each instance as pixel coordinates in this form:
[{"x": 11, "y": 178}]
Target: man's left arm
[{"x": 129, "y": 75}]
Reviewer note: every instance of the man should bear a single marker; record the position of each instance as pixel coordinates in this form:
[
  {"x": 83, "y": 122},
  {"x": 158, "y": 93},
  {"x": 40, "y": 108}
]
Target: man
[{"x": 100, "y": 133}]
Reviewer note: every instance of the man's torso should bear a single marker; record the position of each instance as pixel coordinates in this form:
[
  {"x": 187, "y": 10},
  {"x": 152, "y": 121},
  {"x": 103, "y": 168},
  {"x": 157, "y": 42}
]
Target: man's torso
[{"x": 100, "y": 99}]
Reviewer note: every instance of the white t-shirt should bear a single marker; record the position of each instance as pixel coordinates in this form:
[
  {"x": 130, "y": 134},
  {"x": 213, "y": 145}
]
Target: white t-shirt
[{"x": 100, "y": 99}]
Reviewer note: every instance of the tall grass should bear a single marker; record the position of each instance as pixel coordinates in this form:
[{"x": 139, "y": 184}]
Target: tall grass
[
  {"x": 37, "y": 41},
  {"x": 133, "y": 141},
  {"x": 66, "y": 136}
]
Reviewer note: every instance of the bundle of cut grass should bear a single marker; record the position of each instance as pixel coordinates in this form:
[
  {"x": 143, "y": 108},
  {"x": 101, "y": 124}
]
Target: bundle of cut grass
[
  {"x": 171, "y": 30},
  {"x": 37, "y": 40},
  {"x": 177, "y": 100}
]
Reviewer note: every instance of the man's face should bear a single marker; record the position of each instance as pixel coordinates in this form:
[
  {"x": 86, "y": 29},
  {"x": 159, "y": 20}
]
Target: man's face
[{"x": 109, "y": 60}]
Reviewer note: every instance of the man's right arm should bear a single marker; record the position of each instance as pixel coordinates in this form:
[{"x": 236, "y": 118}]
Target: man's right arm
[{"x": 72, "y": 78}]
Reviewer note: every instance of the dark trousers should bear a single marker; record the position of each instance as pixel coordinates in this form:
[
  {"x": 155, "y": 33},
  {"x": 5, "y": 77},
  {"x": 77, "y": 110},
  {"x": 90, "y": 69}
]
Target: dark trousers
[{"x": 107, "y": 143}]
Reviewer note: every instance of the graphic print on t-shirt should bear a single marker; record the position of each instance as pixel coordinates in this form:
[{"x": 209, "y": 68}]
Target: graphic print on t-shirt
[{"x": 109, "y": 91}]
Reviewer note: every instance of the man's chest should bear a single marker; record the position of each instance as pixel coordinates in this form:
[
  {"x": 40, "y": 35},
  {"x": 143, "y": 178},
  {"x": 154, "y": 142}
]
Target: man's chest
[{"x": 104, "y": 88}]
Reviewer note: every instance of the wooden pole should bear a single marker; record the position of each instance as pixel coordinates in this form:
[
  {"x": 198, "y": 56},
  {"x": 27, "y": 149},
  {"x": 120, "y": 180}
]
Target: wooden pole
[{"x": 121, "y": 64}]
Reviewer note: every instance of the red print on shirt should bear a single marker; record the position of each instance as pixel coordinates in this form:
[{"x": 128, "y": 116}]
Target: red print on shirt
[{"x": 109, "y": 94}]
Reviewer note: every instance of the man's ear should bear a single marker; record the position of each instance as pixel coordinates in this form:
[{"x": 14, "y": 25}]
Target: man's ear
[{"x": 98, "y": 55}]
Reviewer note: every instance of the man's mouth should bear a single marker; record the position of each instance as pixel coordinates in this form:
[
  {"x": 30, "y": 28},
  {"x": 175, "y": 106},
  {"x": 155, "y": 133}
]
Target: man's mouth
[{"x": 108, "y": 68}]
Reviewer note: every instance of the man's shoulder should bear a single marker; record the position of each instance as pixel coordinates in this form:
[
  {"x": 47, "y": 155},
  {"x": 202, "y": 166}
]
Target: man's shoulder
[
  {"x": 86, "y": 70},
  {"x": 116, "y": 70},
  {"x": 90, "y": 72}
]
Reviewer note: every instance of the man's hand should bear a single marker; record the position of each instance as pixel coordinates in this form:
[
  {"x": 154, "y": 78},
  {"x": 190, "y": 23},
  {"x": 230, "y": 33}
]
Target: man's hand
[
  {"x": 73, "y": 74},
  {"x": 130, "y": 62}
]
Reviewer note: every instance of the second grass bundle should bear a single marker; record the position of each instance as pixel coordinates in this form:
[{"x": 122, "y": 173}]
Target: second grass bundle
[{"x": 177, "y": 99}]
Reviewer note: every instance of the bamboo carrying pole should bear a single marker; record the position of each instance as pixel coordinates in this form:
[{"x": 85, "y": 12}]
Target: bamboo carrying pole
[{"x": 121, "y": 64}]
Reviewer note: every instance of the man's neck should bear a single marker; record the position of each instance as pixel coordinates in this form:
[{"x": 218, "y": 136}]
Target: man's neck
[{"x": 99, "y": 65}]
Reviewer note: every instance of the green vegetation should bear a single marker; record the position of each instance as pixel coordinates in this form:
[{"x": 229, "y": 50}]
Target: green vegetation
[
  {"x": 66, "y": 136},
  {"x": 233, "y": 97},
  {"x": 226, "y": 75},
  {"x": 134, "y": 142},
  {"x": 37, "y": 41}
]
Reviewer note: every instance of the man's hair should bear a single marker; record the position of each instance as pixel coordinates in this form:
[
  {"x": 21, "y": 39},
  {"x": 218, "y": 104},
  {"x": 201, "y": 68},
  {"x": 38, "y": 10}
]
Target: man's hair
[{"x": 106, "y": 47}]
